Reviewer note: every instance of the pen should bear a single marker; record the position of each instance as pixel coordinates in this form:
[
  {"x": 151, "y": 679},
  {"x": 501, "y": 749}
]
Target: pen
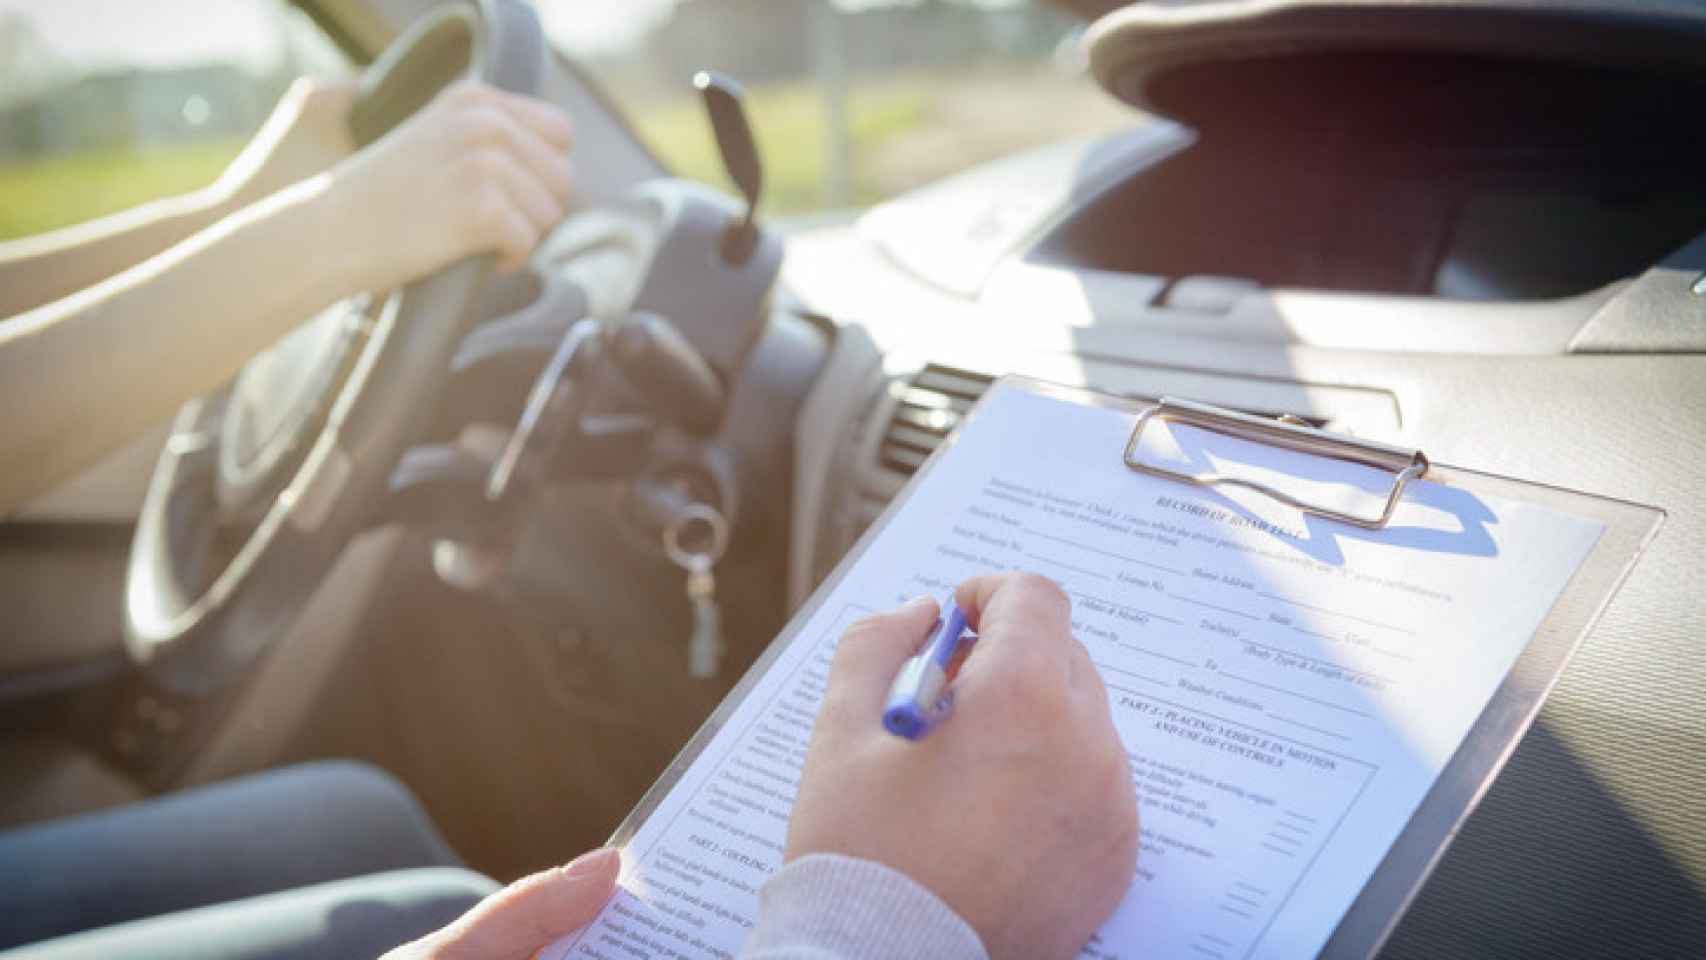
[{"x": 919, "y": 698}]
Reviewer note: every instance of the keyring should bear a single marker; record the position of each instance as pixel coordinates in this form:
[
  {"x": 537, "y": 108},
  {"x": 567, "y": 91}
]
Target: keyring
[{"x": 703, "y": 513}]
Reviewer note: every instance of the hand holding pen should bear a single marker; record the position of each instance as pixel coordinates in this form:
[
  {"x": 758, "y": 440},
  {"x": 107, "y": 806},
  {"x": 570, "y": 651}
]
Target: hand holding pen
[
  {"x": 1031, "y": 740},
  {"x": 920, "y": 697}
]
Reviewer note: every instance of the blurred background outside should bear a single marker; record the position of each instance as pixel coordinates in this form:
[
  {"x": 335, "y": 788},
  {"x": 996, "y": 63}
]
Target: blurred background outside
[
  {"x": 853, "y": 101},
  {"x": 107, "y": 103}
]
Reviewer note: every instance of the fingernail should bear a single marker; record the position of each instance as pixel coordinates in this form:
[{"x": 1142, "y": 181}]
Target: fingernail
[
  {"x": 917, "y": 602},
  {"x": 591, "y": 862}
]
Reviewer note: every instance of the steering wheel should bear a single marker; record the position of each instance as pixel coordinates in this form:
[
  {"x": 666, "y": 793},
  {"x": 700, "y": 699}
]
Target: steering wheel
[{"x": 261, "y": 485}]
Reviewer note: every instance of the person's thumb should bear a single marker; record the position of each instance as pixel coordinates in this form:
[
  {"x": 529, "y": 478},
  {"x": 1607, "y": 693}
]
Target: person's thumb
[
  {"x": 872, "y": 650},
  {"x": 528, "y": 914}
]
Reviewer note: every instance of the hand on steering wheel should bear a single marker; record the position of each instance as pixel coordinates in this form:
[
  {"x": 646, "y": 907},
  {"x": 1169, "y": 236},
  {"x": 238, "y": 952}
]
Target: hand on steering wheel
[
  {"x": 495, "y": 163},
  {"x": 478, "y": 170}
]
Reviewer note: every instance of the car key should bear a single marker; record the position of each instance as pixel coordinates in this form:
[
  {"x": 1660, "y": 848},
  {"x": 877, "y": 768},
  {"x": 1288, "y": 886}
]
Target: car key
[{"x": 705, "y": 644}]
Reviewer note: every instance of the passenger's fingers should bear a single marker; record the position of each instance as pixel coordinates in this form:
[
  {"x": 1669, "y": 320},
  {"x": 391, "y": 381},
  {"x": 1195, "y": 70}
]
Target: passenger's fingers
[
  {"x": 872, "y": 651},
  {"x": 1090, "y": 693},
  {"x": 1023, "y": 663},
  {"x": 1015, "y": 609},
  {"x": 1081, "y": 672},
  {"x": 528, "y": 914}
]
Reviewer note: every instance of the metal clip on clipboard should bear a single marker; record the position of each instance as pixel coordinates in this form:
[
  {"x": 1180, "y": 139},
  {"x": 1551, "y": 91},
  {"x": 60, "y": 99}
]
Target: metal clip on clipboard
[{"x": 1286, "y": 433}]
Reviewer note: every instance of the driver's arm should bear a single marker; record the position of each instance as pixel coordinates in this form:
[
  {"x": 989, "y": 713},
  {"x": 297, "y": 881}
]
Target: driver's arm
[
  {"x": 477, "y": 170},
  {"x": 305, "y": 135}
]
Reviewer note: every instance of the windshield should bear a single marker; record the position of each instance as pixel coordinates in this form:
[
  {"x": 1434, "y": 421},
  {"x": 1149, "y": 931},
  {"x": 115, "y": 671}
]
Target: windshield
[
  {"x": 852, "y": 101},
  {"x": 104, "y": 106}
]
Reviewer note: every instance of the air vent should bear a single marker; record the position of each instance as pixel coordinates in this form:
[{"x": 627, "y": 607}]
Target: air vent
[{"x": 927, "y": 409}]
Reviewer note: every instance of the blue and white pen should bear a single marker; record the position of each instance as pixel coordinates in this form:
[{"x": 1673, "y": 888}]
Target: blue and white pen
[{"x": 919, "y": 698}]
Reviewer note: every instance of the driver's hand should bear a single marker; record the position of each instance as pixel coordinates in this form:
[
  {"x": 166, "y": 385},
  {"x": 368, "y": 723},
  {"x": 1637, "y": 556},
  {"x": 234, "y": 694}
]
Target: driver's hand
[
  {"x": 476, "y": 170},
  {"x": 305, "y": 134},
  {"x": 519, "y": 920},
  {"x": 1018, "y": 811}
]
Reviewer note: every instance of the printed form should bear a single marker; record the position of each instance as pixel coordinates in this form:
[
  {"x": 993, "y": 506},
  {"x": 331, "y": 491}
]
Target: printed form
[{"x": 1287, "y": 688}]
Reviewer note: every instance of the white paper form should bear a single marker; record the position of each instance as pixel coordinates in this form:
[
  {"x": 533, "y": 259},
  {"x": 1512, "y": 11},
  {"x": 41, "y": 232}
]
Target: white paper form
[{"x": 1287, "y": 688}]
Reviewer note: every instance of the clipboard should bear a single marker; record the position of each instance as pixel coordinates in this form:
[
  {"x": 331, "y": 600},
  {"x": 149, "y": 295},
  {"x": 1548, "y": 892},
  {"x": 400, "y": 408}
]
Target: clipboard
[{"x": 1372, "y": 916}]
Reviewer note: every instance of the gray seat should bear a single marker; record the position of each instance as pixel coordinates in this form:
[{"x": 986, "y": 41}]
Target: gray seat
[
  {"x": 174, "y": 867},
  {"x": 360, "y": 917}
]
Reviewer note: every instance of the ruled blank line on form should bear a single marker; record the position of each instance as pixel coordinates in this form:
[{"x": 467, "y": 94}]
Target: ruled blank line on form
[
  {"x": 1068, "y": 566},
  {"x": 1201, "y": 603},
  {"x": 1129, "y": 673},
  {"x": 1105, "y": 553},
  {"x": 1297, "y": 723},
  {"x": 1137, "y": 649},
  {"x": 1125, "y": 606},
  {"x": 1371, "y": 649},
  {"x": 1335, "y": 613},
  {"x": 1293, "y": 693}
]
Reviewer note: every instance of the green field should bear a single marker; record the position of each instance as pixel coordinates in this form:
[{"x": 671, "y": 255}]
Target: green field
[
  {"x": 790, "y": 127},
  {"x": 904, "y": 129},
  {"x": 790, "y": 122},
  {"x": 72, "y": 188}
]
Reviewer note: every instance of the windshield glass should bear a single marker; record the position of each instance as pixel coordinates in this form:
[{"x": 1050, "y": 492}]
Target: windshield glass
[
  {"x": 852, "y": 101},
  {"x": 106, "y": 105}
]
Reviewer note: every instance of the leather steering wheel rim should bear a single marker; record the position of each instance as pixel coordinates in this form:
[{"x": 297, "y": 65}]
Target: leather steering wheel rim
[{"x": 192, "y": 641}]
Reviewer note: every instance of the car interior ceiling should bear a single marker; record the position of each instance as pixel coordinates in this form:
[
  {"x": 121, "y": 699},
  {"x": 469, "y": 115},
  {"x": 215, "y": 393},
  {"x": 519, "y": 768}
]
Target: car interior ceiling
[{"x": 1477, "y": 185}]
